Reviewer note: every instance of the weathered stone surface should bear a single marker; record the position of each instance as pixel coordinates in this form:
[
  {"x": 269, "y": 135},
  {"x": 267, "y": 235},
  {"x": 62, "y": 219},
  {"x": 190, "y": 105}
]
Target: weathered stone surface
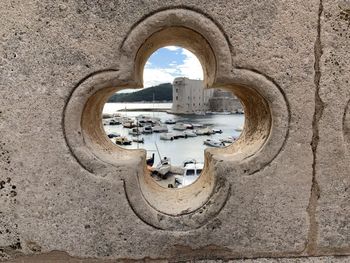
[
  {"x": 49, "y": 202},
  {"x": 59, "y": 257},
  {"x": 333, "y": 153}
]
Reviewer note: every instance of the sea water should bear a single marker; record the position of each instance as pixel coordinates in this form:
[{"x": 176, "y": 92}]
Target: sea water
[{"x": 177, "y": 150}]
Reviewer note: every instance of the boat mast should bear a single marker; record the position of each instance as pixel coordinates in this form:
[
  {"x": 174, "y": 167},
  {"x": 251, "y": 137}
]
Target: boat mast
[
  {"x": 137, "y": 132},
  {"x": 160, "y": 158},
  {"x": 153, "y": 104}
]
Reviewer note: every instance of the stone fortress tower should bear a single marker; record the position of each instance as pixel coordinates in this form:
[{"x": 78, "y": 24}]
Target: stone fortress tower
[
  {"x": 189, "y": 97},
  {"x": 280, "y": 193},
  {"x": 224, "y": 101}
]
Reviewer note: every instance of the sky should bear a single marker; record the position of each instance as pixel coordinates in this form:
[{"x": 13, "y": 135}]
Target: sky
[{"x": 170, "y": 62}]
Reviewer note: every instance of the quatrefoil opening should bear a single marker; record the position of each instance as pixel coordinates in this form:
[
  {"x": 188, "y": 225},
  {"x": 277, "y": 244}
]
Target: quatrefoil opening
[{"x": 263, "y": 137}]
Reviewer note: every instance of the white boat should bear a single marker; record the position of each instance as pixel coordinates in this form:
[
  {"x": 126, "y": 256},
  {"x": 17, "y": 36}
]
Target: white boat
[
  {"x": 107, "y": 116},
  {"x": 122, "y": 141},
  {"x": 170, "y": 121},
  {"x": 113, "y": 135},
  {"x": 163, "y": 168},
  {"x": 138, "y": 139},
  {"x": 114, "y": 122},
  {"x": 204, "y": 131},
  {"x": 239, "y": 129},
  {"x": 217, "y": 131},
  {"x": 135, "y": 131},
  {"x": 142, "y": 117},
  {"x": 190, "y": 134},
  {"x": 192, "y": 171},
  {"x": 239, "y": 111},
  {"x": 128, "y": 124},
  {"x": 178, "y": 135},
  {"x": 197, "y": 125},
  {"x": 160, "y": 128},
  {"x": 147, "y": 129},
  {"x": 214, "y": 143},
  {"x": 116, "y": 115},
  {"x": 188, "y": 126},
  {"x": 179, "y": 127},
  {"x": 167, "y": 136},
  {"x": 229, "y": 139},
  {"x": 155, "y": 119},
  {"x": 223, "y": 113}
]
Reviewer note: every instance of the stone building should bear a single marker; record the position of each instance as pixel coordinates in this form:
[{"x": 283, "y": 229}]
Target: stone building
[
  {"x": 224, "y": 101},
  {"x": 190, "y": 97},
  {"x": 280, "y": 193}
]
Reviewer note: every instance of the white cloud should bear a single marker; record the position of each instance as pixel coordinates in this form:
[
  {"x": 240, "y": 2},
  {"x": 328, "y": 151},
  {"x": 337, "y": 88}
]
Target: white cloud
[
  {"x": 171, "y": 70},
  {"x": 190, "y": 67},
  {"x": 172, "y": 48},
  {"x": 153, "y": 76}
]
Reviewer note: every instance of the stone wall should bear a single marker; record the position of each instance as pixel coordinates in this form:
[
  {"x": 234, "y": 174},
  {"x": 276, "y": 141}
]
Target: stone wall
[
  {"x": 224, "y": 101},
  {"x": 281, "y": 191}
]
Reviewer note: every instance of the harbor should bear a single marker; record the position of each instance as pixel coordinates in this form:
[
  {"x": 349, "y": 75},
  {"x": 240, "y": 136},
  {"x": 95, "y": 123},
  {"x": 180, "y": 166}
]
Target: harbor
[{"x": 187, "y": 135}]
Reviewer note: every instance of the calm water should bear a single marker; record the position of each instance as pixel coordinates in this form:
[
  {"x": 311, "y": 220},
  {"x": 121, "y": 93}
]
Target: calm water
[{"x": 180, "y": 149}]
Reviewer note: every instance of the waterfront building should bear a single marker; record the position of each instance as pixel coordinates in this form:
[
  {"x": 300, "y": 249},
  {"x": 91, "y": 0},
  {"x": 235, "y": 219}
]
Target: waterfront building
[{"x": 189, "y": 96}]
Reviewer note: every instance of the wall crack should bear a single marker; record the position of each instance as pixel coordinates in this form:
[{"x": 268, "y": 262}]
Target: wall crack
[{"x": 311, "y": 247}]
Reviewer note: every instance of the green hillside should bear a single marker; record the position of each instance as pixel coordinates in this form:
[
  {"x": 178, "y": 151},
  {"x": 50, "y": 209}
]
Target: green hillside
[{"x": 162, "y": 92}]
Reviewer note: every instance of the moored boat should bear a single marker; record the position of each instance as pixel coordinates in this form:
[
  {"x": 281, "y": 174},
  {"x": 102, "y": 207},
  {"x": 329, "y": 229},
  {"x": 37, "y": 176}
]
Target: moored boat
[
  {"x": 138, "y": 139},
  {"x": 113, "y": 135},
  {"x": 197, "y": 125},
  {"x": 179, "y": 127},
  {"x": 114, "y": 122},
  {"x": 170, "y": 121},
  {"x": 147, "y": 130},
  {"x": 192, "y": 171},
  {"x": 214, "y": 143},
  {"x": 178, "y": 135},
  {"x": 160, "y": 128},
  {"x": 188, "y": 126},
  {"x": 163, "y": 168},
  {"x": 167, "y": 136},
  {"x": 217, "y": 131},
  {"x": 150, "y": 161},
  {"x": 135, "y": 131},
  {"x": 107, "y": 116},
  {"x": 122, "y": 141},
  {"x": 229, "y": 139},
  {"x": 204, "y": 131},
  {"x": 190, "y": 134},
  {"x": 128, "y": 124}
]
